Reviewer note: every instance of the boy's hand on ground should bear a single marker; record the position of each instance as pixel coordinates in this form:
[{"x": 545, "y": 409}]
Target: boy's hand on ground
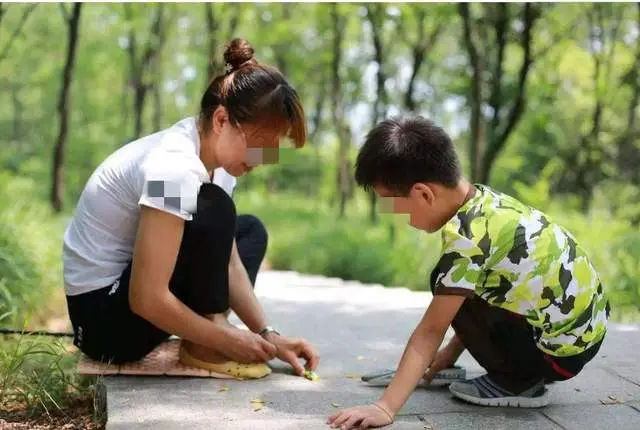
[
  {"x": 246, "y": 347},
  {"x": 290, "y": 350},
  {"x": 441, "y": 362},
  {"x": 362, "y": 417},
  {"x": 445, "y": 358}
]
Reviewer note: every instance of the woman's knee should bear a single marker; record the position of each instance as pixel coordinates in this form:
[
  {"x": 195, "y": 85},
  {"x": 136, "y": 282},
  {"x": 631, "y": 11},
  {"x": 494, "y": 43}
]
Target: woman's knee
[
  {"x": 215, "y": 211},
  {"x": 252, "y": 228}
]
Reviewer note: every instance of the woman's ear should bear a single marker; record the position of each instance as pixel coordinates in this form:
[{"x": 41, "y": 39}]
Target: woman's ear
[{"x": 220, "y": 117}]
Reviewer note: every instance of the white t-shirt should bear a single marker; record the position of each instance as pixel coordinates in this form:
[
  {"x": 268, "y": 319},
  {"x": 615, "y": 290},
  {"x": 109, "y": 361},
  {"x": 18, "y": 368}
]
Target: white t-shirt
[{"x": 162, "y": 170}]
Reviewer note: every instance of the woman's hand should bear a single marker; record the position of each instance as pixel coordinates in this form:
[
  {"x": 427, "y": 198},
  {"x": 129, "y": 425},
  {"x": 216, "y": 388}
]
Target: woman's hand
[
  {"x": 291, "y": 349},
  {"x": 246, "y": 347},
  {"x": 374, "y": 415}
]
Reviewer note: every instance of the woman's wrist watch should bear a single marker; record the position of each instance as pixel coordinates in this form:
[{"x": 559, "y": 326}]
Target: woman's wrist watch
[{"x": 268, "y": 329}]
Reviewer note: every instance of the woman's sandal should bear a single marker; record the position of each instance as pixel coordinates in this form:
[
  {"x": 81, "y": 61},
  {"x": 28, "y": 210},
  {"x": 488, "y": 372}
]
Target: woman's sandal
[{"x": 227, "y": 370}]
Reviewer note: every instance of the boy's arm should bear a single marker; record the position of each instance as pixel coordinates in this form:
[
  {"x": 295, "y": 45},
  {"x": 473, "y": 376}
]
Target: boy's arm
[
  {"x": 445, "y": 358},
  {"x": 418, "y": 355},
  {"x": 421, "y": 350}
]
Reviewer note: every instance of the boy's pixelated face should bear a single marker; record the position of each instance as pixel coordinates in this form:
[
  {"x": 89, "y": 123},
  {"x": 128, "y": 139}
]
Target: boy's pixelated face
[{"x": 421, "y": 204}]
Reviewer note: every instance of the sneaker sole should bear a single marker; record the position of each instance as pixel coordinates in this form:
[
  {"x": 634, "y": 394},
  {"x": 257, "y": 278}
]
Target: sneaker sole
[
  {"x": 444, "y": 377},
  {"x": 511, "y": 402}
]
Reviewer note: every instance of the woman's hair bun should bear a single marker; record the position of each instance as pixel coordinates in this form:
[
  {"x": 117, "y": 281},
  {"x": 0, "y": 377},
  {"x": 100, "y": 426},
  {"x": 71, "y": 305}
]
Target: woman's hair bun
[{"x": 237, "y": 52}]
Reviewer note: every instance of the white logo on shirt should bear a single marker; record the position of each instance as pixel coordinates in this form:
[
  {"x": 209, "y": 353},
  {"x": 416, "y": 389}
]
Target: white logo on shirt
[{"x": 114, "y": 288}]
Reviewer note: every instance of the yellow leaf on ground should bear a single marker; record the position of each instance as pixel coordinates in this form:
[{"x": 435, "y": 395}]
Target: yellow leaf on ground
[
  {"x": 311, "y": 376},
  {"x": 223, "y": 388},
  {"x": 352, "y": 376},
  {"x": 335, "y": 405},
  {"x": 258, "y": 404}
]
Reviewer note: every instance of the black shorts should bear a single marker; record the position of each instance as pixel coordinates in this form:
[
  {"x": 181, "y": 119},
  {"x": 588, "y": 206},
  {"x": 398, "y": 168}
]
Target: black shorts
[{"x": 504, "y": 344}]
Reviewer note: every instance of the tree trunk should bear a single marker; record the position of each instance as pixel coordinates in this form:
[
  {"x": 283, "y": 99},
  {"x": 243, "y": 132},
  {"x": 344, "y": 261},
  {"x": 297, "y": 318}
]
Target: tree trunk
[
  {"x": 281, "y": 49},
  {"x": 342, "y": 129},
  {"x": 628, "y": 151},
  {"x": 157, "y": 103},
  {"x": 215, "y": 65},
  {"x": 419, "y": 50},
  {"x": 3, "y": 10},
  {"x": 316, "y": 120},
  {"x": 16, "y": 32},
  {"x": 375, "y": 17},
  {"x": 586, "y": 176},
  {"x": 139, "y": 96},
  {"x": 498, "y": 133},
  {"x": 140, "y": 69},
  {"x": 64, "y": 104},
  {"x": 476, "y": 138}
]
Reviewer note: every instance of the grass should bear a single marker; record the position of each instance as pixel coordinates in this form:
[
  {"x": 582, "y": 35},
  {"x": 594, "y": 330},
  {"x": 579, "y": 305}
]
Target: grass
[
  {"x": 38, "y": 383},
  {"x": 30, "y": 253}
]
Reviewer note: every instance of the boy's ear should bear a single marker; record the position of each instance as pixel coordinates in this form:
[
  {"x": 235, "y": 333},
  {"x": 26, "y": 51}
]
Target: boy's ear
[{"x": 424, "y": 191}]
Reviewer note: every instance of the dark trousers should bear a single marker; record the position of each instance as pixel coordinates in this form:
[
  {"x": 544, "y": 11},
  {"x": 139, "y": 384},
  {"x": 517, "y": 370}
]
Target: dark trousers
[
  {"x": 503, "y": 344},
  {"x": 107, "y": 330}
]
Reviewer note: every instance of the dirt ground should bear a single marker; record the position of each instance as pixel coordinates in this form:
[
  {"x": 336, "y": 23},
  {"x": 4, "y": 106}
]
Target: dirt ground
[{"x": 77, "y": 416}]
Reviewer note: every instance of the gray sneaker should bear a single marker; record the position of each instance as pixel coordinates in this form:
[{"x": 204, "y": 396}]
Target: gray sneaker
[
  {"x": 383, "y": 378},
  {"x": 483, "y": 391}
]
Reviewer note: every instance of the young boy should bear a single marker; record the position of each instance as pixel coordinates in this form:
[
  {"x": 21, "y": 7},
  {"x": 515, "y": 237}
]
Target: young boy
[{"x": 520, "y": 293}]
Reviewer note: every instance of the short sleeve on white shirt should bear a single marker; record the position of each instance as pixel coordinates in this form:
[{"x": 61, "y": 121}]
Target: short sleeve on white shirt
[{"x": 171, "y": 179}]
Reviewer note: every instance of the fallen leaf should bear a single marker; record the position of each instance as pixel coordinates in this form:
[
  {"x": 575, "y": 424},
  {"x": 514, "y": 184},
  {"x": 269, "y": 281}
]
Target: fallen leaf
[
  {"x": 428, "y": 427},
  {"x": 613, "y": 397},
  {"x": 335, "y": 405},
  {"x": 578, "y": 389},
  {"x": 258, "y": 404},
  {"x": 352, "y": 376},
  {"x": 311, "y": 376},
  {"x": 223, "y": 388}
]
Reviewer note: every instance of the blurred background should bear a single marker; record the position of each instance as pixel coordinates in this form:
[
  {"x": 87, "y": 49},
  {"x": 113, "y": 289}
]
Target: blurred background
[{"x": 541, "y": 100}]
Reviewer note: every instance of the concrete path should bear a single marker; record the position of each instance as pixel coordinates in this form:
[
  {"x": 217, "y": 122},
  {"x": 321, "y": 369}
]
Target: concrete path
[{"x": 358, "y": 329}]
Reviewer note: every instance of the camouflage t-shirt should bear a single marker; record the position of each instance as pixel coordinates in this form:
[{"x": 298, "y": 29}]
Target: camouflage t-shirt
[{"x": 516, "y": 258}]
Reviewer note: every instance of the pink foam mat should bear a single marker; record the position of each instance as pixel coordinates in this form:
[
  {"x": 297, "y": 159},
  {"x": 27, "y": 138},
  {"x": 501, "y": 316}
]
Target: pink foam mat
[{"x": 161, "y": 361}]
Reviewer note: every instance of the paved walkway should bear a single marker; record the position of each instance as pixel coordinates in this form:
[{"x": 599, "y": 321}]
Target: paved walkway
[{"x": 358, "y": 329}]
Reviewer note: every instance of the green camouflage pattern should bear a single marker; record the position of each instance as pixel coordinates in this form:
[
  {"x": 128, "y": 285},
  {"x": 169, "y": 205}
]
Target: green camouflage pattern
[{"x": 516, "y": 258}]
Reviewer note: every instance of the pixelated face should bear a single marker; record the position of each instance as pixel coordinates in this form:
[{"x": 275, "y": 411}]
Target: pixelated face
[
  {"x": 242, "y": 148},
  {"x": 420, "y": 206}
]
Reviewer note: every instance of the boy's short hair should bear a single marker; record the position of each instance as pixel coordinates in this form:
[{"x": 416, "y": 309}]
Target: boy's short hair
[{"x": 398, "y": 153}]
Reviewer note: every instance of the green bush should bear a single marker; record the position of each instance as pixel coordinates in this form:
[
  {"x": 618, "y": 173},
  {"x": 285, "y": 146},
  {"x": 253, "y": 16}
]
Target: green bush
[
  {"x": 30, "y": 252},
  {"x": 298, "y": 171},
  {"x": 306, "y": 235}
]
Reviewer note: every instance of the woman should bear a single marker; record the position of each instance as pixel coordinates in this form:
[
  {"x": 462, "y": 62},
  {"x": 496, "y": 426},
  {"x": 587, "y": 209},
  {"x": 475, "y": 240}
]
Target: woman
[{"x": 151, "y": 249}]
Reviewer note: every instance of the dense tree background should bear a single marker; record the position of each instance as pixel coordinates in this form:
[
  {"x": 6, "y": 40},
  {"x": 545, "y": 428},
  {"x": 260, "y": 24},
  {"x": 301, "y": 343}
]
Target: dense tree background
[{"x": 542, "y": 100}]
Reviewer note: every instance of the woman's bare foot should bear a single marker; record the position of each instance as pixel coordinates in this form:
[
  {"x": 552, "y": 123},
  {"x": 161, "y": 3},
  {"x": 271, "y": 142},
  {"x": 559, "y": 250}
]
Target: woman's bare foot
[{"x": 202, "y": 352}]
